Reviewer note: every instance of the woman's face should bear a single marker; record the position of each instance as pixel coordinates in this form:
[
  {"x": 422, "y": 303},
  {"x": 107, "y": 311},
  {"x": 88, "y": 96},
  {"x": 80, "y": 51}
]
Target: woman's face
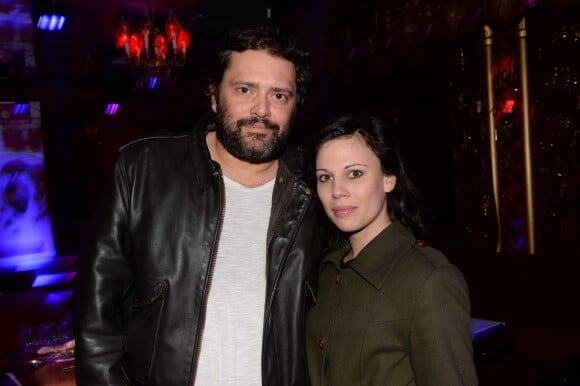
[{"x": 352, "y": 187}]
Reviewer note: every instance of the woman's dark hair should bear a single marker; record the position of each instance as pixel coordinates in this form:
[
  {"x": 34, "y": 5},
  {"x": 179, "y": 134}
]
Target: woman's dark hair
[
  {"x": 259, "y": 38},
  {"x": 404, "y": 201}
]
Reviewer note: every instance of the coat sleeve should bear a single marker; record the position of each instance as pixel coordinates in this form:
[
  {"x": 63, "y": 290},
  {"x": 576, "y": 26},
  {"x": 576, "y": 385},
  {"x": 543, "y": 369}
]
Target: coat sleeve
[
  {"x": 103, "y": 278},
  {"x": 441, "y": 343}
]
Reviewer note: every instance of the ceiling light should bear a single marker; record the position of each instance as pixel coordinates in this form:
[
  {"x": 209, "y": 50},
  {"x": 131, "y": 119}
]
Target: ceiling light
[
  {"x": 51, "y": 22},
  {"x": 153, "y": 51}
]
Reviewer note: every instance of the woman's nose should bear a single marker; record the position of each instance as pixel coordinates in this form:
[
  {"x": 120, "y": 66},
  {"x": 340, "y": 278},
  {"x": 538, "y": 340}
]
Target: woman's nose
[{"x": 338, "y": 189}]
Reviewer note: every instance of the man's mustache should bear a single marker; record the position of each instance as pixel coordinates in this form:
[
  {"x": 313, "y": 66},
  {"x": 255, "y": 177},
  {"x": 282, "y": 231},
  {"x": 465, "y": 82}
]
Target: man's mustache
[{"x": 264, "y": 121}]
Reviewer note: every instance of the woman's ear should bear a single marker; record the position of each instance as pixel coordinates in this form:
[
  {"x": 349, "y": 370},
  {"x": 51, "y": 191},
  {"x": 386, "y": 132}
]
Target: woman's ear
[{"x": 389, "y": 182}]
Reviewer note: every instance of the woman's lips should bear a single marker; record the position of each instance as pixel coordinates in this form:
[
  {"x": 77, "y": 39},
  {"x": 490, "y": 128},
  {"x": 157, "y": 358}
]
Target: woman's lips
[{"x": 341, "y": 211}]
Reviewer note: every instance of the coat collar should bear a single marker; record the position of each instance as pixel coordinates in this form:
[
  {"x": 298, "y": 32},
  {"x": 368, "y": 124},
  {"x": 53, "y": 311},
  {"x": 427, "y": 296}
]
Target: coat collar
[
  {"x": 376, "y": 260},
  {"x": 199, "y": 153}
]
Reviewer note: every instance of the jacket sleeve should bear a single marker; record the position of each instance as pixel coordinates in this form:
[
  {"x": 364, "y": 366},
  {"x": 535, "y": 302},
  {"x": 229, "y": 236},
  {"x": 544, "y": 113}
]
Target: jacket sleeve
[
  {"x": 103, "y": 278},
  {"x": 441, "y": 345}
]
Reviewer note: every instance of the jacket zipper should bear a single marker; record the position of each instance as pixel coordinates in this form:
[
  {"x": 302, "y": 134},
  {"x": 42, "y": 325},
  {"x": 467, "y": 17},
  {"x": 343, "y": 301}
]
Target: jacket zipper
[
  {"x": 275, "y": 284},
  {"x": 214, "y": 249},
  {"x": 268, "y": 310}
]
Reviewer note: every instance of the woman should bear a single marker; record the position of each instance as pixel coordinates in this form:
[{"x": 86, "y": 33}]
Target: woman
[{"x": 390, "y": 310}]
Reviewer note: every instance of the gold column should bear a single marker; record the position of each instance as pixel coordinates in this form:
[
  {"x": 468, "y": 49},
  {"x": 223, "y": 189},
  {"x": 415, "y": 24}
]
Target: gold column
[
  {"x": 531, "y": 233},
  {"x": 488, "y": 44}
]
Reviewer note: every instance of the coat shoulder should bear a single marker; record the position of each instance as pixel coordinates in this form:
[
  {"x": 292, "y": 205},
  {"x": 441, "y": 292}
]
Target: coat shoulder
[
  {"x": 422, "y": 261},
  {"x": 158, "y": 144},
  {"x": 429, "y": 255}
]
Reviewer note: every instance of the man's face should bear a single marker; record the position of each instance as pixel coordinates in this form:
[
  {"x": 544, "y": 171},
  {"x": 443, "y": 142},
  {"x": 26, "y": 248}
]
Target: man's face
[{"x": 255, "y": 105}]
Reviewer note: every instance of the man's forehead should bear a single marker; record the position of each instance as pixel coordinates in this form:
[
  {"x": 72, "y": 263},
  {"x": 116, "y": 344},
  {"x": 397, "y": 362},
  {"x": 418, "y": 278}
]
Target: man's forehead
[
  {"x": 258, "y": 56},
  {"x": 260, "y": 66}
]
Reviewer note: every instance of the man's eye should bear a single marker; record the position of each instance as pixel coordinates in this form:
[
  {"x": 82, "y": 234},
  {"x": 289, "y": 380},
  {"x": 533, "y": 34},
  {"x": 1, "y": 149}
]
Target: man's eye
[
  {"x": 243, "y": 90},
  {"x": 280, "y": 97}
]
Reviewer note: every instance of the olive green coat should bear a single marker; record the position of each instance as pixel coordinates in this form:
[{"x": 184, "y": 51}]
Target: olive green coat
[{"x": 398, "y": 314}]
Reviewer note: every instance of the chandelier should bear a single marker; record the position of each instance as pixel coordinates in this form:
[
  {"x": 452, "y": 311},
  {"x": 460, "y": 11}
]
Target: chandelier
[{"x": 153, "y": 51}]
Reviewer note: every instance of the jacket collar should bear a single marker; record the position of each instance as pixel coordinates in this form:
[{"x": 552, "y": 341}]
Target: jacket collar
[
  {"x": 199, "y": 153},
  {"x": 377, "y": 258}
]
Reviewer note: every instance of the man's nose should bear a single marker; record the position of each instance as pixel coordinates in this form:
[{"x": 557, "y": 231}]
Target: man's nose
[{"x": 261, "y": 107}]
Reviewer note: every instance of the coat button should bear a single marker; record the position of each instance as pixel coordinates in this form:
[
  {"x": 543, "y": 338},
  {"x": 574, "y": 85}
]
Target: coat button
[
  {"x": 321, "y": 342},
  {"x": 421, "y": 243},
  {"x": 338, "y": 277}
]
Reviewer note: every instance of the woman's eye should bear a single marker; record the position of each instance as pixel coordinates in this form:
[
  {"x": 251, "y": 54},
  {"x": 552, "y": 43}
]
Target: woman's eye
[
  {"x": 355, "y": 174},
  {"x": 323, "y": 178}
]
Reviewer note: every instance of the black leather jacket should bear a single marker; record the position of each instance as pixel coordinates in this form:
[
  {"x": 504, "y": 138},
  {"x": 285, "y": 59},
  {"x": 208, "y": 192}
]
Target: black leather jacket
[{"x": 143, "y": 279}]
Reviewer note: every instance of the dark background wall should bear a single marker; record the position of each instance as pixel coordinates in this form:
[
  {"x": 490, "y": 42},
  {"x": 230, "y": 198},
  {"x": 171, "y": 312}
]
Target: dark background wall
[{"x": 417, "y": 64}]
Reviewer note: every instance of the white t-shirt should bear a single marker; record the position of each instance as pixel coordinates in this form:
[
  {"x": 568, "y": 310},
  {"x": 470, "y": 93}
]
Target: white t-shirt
[{"x": 231, "y": 345}]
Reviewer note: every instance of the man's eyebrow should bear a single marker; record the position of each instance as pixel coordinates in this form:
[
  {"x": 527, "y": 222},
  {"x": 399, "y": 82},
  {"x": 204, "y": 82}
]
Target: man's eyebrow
[{"x": 283, "y": 89}]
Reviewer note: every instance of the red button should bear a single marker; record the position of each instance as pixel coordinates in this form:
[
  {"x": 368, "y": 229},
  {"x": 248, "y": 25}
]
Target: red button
[
  {"x": 420, "y": 243},
  {"x": 321, "y": 342},
  {"x": 337, "y": 278}
]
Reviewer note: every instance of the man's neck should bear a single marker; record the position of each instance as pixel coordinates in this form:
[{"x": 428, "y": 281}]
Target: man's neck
[{"x": 246, "y": 173}]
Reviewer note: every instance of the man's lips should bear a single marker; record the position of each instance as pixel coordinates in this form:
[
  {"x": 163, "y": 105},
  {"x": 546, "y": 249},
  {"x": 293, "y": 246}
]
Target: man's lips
[
  {"x": 258, "y": 127},
  {"x": 263, "y": 124}
]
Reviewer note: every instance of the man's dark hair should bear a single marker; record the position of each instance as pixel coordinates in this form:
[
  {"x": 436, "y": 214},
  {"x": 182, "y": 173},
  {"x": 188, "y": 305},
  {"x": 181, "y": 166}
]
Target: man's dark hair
[{"x": 266, "y": 38}]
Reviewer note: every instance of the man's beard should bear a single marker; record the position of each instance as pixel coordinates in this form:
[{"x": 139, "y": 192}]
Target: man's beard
[{"x": 230, "y": 136}]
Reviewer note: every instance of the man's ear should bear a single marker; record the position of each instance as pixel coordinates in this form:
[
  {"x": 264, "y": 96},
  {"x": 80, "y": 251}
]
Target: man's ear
[
  {"x": 389, "y": 182},
  {"x": 213, "y": 95}
]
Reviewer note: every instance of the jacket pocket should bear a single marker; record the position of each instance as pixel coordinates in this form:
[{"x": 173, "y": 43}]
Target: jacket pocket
[{"x": 143, "y": 327}]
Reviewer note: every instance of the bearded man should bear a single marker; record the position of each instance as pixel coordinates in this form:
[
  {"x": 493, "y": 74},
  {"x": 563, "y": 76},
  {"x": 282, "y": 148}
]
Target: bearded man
[{"x": 197, "y": 265}]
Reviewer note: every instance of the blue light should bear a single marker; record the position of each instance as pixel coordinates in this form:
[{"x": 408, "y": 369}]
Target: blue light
[
  {"x": 111, "y": 108},
  {"x": 51, "y": 22},
  {"x": 48, "y": 279},
  {"x": 152, "y": 82},
  {"x": 20, "y": 108},
  {"x": 27, "y": 261},
  {"x": 482, "y": 327},
  {"x": 57, "y": 298}
]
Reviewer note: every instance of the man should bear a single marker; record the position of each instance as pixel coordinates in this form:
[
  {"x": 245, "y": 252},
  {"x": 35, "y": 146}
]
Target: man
[{"x": 195, "y": 273}]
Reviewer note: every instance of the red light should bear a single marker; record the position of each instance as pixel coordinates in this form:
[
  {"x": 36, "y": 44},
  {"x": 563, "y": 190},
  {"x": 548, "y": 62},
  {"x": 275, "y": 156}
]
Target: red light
[
  {"x": 508, "y": 106},
  {"x": 183, "y": 42},
  {"x": 160, "y": 47},
  {"x": 135, "y": 46},
  {"x": 172, "y": 29},
  {"x": 122, "y": 35}
]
